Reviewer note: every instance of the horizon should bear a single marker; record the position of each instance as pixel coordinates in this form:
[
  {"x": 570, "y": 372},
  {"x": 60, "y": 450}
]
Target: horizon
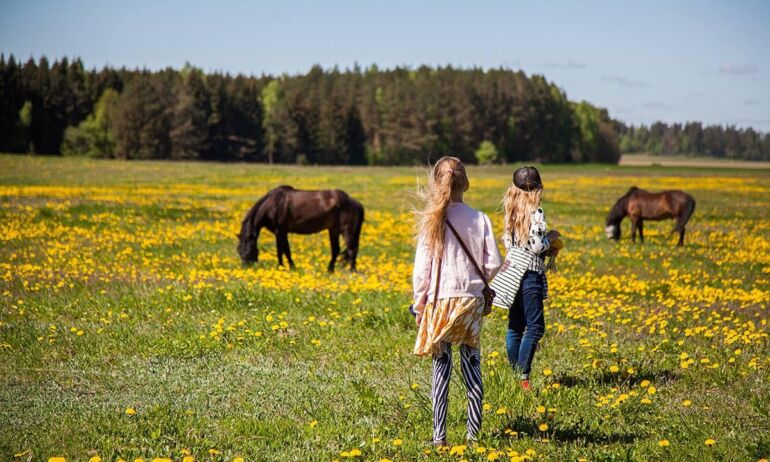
[{"x": 669, "y": 63}]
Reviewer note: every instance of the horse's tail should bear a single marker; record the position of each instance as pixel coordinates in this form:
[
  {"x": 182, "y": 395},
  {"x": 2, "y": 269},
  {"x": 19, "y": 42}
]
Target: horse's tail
[
  {"x": 689, "y": 208},
  {"x": 359, "y": 221},
  {"x": 352, "y": 235}
]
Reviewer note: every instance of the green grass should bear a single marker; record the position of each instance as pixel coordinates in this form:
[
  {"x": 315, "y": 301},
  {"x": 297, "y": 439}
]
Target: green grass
[{"x": 140, "y": 258}]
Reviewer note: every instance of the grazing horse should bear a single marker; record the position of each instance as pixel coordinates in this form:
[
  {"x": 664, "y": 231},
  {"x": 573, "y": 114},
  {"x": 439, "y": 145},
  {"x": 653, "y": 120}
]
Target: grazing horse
[
  {"x": 641, "y": 205},
  {"x": 286, "y": 210}
]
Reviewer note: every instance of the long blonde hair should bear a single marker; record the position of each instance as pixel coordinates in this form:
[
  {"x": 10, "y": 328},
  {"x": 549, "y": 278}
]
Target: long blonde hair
[
  {"x": 447, "y": 177},
  {"x": 518, "y": 205}
]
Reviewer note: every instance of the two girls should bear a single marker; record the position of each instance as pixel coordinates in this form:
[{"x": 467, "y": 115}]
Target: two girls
[{"x": 448, "y": 299}]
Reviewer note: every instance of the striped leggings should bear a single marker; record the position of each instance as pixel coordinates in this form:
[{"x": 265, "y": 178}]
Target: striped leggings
[{"x": 470, "y": 359}]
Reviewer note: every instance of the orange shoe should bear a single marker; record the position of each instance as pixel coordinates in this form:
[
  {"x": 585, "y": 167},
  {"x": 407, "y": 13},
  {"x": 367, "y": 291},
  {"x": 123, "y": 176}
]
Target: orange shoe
[{"x": 525, "y": 385}]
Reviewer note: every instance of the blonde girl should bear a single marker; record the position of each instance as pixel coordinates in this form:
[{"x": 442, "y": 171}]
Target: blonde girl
[
  {"x": 448, "y": 297},
  {"x": 521, "y": 284}
]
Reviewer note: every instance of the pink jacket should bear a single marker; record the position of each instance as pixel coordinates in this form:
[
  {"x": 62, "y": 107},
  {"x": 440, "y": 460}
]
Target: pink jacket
[{"x": 458, "y": 276}]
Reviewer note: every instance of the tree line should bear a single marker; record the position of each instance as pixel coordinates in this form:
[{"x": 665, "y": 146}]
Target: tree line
[
  {"x": 326, "y": 116},
  {"x": 356, "y": 116},
  {"x": 692, "y": 138}
]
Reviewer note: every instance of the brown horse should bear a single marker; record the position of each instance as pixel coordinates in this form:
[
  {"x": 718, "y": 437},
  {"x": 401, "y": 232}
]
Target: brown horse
[
  {"x": 640, "y": 205},
  {"x": 286, "y": 210}
]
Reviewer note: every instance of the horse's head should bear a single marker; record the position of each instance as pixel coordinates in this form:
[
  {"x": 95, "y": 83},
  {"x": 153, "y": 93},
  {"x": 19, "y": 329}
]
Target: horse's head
[
  {"x": 247, "y": 248},
  {"x": 613, "y": 231},
  {"x": 616, "y": 215}
]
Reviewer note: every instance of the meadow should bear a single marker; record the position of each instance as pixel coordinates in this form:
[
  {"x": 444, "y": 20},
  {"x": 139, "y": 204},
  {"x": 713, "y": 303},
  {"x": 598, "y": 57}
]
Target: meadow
[{"x": 130, "y": 331}]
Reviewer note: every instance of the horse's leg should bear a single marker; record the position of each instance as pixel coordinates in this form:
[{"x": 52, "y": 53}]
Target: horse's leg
[
  {"x": 334, "y": 238},
  {"x": 279, "y": 247},
  {"x": 641, "y": 234},
  {"x": 681, "y": 237},
  {"x": 287, "y": 249},
  {"x": 633, "y": 230}
]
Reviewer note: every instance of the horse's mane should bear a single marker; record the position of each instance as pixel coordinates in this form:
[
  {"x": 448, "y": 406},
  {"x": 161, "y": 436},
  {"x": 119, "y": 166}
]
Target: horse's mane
[
  {"x": 618, "y": 211},
  {"x": 249, "y": 222}
]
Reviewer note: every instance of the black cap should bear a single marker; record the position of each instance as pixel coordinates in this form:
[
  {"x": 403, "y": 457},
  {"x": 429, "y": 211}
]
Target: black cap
[{"x": 527, "y": 179}]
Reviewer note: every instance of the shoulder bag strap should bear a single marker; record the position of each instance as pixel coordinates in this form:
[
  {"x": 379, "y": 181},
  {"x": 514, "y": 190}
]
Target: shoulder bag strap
[{"x": 468, "y": 253}]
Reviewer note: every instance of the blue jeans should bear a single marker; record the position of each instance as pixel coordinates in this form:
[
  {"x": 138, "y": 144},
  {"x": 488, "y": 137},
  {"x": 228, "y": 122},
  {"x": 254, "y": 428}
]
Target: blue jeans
[{"x": 526, "y": 323}]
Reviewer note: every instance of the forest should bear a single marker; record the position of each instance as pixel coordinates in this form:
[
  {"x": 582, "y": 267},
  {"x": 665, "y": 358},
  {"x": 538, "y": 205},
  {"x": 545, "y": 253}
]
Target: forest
[{"x": 358, "y": 116}]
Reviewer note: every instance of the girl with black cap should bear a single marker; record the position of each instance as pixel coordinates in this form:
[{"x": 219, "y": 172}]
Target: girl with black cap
[{"x": 521, "y": 285}]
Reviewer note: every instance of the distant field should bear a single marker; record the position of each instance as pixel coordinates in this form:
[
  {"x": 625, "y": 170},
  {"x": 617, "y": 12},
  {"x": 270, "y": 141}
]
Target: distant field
[
  {"x": 129, "y": 329},
  {"x": 642, "y": 160}
]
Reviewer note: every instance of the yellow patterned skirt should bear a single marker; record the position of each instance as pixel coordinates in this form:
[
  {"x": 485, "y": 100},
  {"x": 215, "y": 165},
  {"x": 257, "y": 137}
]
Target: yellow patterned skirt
[{"x": 456, "y": 320}]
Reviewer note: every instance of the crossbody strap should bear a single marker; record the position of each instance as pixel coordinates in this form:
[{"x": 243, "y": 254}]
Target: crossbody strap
[{"x": 468, "y": 253}]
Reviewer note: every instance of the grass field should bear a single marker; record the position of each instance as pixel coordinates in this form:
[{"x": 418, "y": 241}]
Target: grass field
[
  {"x": 647, "y": 160},
  {"x": 129, "y": 330}
]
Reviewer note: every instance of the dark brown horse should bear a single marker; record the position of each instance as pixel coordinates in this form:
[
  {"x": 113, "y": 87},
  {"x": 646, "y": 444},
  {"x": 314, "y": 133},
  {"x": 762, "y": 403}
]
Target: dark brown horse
[
  {"x": 286, "y": 210},
  {"x": 640, "y": 205}
]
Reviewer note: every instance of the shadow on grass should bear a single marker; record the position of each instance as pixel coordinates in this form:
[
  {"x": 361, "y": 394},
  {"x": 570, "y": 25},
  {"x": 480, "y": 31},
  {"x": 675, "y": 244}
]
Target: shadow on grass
[
  {"x": 609, "y": 378},
  {"x": 574, "y": 434}
]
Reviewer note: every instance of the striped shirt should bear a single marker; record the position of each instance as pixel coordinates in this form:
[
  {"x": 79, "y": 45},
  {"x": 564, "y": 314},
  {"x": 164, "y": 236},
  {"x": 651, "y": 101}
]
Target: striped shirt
[{"x": 521, "y": 258}]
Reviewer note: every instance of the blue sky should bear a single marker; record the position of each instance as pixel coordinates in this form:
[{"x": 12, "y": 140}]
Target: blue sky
[{"x": 643, "y": 60}]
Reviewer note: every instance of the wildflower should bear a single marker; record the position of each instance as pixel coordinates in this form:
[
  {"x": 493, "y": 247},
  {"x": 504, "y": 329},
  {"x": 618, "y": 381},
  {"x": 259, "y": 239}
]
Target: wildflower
[
  {"x": 541, "y": 409},
  {"x": 130, "y": 411},
  {"x": 313, "y": 423},
  {"x": 663, "y": 443},
  {"x": 398, "y": 442},
  {"x": 651, "y": 390},
  {"x": 547, "y": 372},
  {"x": 57, "y": 459},
  {"x": 710, "y": 442},
  {"x": 95, "y": 458},
  {"x": 644, "y": 383},
  {"x": 543, "y": 427},
  {"x": 614, "y": 369},
  {"x": 686, "y": 403}
]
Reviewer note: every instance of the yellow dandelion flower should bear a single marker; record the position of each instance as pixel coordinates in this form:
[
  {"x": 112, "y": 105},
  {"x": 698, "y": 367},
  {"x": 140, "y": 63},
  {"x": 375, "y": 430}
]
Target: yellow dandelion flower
[
  {"x": 709, "y": 442},
  {"x": 542, "y": 427},
  {"x": 686, "y": 403},
  {"x": 663, "y": 443},
  {"x": 541, "y": 409},
  {"x": 398, "y": 442},
  {"x": 130, "y": 411}
]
